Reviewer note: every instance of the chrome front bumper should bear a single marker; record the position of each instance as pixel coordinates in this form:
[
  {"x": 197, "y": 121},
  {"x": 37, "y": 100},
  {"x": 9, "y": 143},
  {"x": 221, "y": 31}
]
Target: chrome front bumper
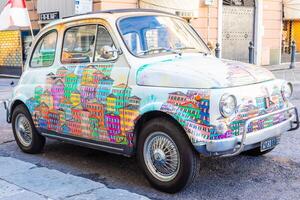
[{"x": 235, "y": 145}]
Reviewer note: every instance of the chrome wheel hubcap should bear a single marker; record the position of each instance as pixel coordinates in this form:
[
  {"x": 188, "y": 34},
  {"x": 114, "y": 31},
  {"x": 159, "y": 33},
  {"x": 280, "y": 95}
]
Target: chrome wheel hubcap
[
  {"x": 161, "y": 156},
  {"x": 23, "y": 130}
]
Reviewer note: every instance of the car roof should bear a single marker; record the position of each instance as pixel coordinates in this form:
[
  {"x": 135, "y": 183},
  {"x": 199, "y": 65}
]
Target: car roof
[{"x": 108, "y": 14}]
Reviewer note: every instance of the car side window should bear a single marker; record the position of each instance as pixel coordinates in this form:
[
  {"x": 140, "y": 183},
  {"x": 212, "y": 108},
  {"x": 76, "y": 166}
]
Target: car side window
[
  {"x": 44, "y": 52},
  {"x": 105, "y": 48},
  {"x": 78, "y": 45}
]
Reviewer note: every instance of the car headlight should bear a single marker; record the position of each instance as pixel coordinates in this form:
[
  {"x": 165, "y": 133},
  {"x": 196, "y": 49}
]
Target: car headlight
[
  {"x": 228, "y": 105},
  {"x": 287, "y": 91}
]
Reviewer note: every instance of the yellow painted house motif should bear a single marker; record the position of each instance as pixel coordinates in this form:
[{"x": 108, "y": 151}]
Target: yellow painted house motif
[{"x": 75, "y": 98}]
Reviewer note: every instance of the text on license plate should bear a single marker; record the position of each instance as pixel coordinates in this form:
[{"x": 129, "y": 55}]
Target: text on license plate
[{"x": 268, "y": 144}]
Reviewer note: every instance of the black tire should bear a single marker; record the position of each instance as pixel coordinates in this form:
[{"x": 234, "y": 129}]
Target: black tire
[
  {"x": 189, "y": 159},
  {"x": 37, "y": 142},
  {"x": 256, "y": 152}
]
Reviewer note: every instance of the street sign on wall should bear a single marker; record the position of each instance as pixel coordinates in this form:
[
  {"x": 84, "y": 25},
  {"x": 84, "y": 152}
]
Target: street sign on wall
[
  {"x": 49, "y": 16},
  {"x": 83, "y": 6},
  {"x": 182, "y": 8}
]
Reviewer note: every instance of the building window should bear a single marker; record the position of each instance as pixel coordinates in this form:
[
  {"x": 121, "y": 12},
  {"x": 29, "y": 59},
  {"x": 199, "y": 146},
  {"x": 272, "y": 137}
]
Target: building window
[{"x": 250, "y": 3}]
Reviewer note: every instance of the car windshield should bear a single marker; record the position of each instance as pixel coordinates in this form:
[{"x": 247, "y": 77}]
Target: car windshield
[{"x": 147, "y": 35}]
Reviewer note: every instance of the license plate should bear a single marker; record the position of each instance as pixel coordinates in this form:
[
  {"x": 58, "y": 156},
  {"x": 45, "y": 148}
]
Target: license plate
[{"x": 268, "y": 144}]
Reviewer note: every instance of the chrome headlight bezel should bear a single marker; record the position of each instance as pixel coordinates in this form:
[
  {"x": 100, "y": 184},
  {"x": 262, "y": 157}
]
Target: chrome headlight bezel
[
  {"x": 287, "y": 91},
  {"x": 227, "y": 105}
]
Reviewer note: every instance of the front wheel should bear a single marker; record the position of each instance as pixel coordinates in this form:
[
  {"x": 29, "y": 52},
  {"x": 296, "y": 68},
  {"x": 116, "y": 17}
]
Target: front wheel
[{"x": 166, "y": 156}]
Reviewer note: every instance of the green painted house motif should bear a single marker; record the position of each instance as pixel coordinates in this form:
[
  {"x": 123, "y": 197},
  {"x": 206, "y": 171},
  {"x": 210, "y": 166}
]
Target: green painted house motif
[
  {"x": 38, "y": 91},
  {"x": 122, "y": 94},
  {"x": 71, "y": 83},
  {"x": 105, "y": 69},
  {"x": 94, "y": 127},
  {"x": 188, "y": 111}
]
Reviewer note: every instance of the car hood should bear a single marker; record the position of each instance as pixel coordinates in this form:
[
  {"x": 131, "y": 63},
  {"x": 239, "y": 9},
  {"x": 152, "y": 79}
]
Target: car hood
[{"x": 200, "y": 71}]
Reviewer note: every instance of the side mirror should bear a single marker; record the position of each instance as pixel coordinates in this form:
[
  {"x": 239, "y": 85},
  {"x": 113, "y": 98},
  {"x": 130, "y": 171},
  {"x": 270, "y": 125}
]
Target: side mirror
[{"x": 108, "y": 53}]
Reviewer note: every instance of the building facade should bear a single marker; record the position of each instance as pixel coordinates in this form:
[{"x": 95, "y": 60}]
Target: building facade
[{"x": 231, "y": 23}]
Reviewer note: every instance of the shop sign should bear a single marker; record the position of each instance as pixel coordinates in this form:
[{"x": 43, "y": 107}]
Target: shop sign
[{"x": 49, "y": 16}]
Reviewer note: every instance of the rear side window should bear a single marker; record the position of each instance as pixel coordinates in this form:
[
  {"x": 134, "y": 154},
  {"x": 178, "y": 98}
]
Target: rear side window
[
  {"x": 44, "y": 52},
  {"x": 79, "y": 44}
]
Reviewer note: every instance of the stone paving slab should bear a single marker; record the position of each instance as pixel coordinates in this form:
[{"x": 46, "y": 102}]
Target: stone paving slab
[
  {"x": 22, "y": 180},
  {"x": 12, "y": 192},
  {"x": 107, "y": 194}
]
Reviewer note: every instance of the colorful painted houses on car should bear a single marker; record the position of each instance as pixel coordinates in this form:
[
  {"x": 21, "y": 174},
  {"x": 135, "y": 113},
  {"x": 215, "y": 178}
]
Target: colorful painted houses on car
[
  {"x": 203, "y": 105},
  {"x": 134, "y": 100},
  {"x": 88, "y": 75},
  {"x": 37, "y": 93},
  {"x": 97, "y": 110},
  {"x": 113, "y": 126},
  {"x": 87, "y": 92},
  {"x": 71, "y": 84},
  {"x": 188, "y": 111},
  {"x": 57, "y": 92},
  {"x": 105, "y": 69},
  {"x": 54, "y": 120},
  {"x": 177, "y": 98},
  {"x": 66, "y": 105},
  {"x": 122, "y": 94},
  {"x": 98, "y": 75},
  {"x": 47, "y": 98},
  {"x": 61, "y": 72},
  {"x": 198, "y": 131},
  {"x": 86, "y": 105},
  {"x": 104, "y": 88},
  {"x": 75, "y": 98},
  {"x": 111, "y": 103},
  {"x": 128, "y": 116},
  {"x": 32, "y": 103}
]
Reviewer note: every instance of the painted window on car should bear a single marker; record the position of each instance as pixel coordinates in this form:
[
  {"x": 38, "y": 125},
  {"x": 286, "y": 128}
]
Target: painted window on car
[
  {"x": 78, "y": 44},
  {"x": 44, "y": 52},
  {"x": 104, "y": 42}
]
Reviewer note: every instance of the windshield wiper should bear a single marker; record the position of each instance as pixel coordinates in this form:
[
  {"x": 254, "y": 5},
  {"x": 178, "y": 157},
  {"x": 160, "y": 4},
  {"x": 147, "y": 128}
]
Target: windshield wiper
[
  {"x": 183, "y": 48},
  {"x": 158, "y": 49}
]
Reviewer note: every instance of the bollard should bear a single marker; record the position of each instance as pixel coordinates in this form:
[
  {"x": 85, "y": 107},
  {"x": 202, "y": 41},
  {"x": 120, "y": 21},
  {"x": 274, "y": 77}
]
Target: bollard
[
  {"x": 251, "y": 53},
  {"x": 218, "y": 51},
  {"x": 293, "y": 55}
]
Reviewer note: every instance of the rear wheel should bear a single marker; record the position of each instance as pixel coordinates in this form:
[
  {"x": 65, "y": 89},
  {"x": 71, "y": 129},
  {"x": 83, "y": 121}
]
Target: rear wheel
[
  {"x": 25, "y": 133},
  {"x": 166, "y": 155}
]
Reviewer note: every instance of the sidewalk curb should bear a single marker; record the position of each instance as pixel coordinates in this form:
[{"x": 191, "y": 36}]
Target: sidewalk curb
[{"x": 44, "y": 183}]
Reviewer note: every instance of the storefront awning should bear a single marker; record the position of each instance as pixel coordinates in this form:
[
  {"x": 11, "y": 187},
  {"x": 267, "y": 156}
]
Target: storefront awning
[
  {"x": 183, "y": 8},
  {"x": 291, "y": 9}
]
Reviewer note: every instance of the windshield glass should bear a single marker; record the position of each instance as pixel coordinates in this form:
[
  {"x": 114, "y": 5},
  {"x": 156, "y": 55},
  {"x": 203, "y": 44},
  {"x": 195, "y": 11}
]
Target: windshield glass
[{"x": 147, "y": 35}]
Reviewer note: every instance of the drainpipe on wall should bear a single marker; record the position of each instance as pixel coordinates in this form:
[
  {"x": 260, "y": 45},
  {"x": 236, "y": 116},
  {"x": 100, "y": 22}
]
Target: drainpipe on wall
[
  {"x": 220, "y": 24},
  {"x": 259, "y": 32},
  {"x": 208, "y": 22}
]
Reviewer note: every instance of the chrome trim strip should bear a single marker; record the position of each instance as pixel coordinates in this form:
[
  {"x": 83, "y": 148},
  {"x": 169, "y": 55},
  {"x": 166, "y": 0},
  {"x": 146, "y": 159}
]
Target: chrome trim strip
[{"x": 82, "y": 142}]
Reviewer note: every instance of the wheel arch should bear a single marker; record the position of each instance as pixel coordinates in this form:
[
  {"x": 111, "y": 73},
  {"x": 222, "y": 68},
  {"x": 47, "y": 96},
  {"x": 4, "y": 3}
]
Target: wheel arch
[
  {"x": 13, "y": 105},
  {"x": 144, "y": 118}
]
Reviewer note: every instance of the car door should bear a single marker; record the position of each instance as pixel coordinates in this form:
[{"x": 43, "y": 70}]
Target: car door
[{"x": 94, "y": 77}]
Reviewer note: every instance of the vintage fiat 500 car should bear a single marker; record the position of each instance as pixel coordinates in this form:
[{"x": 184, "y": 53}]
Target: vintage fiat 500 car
[{"x": 141, "y": 82}]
